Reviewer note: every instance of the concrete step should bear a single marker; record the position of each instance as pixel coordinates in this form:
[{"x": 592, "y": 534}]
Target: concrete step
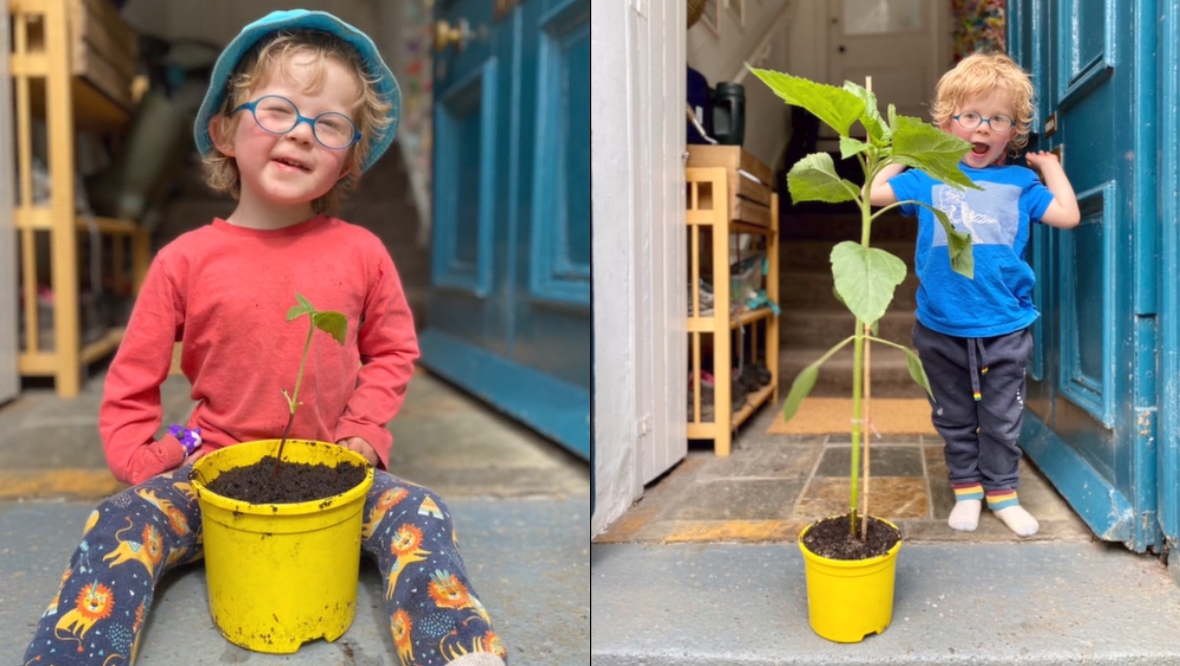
[
  {"x": 890, "y": 375},
  {"x": 814, "y": 291},
  {"x": 727, "y": 604}
]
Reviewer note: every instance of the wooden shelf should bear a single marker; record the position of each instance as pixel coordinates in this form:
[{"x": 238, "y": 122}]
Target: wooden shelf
[
  {"x": 709, "y": 323},
  {"x": 70, "y": 65},
  {"x": 707, "y": 186},
  {"x": 753, "y": 402},
  {"x": 44, "y": 364},
  {"x": 93, "y": 110},
  {"x": 103, "y": 346},
  {"x": 41, "y": 218}
]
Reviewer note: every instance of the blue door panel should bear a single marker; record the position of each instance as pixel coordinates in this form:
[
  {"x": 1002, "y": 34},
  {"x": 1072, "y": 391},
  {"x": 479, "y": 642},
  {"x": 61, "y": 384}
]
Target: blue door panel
[
  {"x": 1088, "y": 490},
  {"x": 552, "y": 308},
  {"x": 1090, "y": 420},
  {"x": 1168, "y": 161},
  {"x": 1088, "y": 304},
  {"x": 509, "y": 315},
  {"x": 561, "y": 200},
  {"x": 1087, "y": 31},
  {"x": 465, "y": 123},
  {"x": 1038, "y": 250}
]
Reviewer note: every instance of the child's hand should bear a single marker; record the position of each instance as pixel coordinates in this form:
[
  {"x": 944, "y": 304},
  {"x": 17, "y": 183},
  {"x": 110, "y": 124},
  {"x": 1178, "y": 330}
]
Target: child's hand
[
  {"x": 1040, "y": 159},
  {"x": 1063, "y": 211},
  {"x": 362, "y": 447}
]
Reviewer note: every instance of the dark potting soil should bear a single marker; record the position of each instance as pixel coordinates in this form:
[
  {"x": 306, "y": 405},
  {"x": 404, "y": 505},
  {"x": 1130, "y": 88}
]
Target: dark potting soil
[
  {"x": 830, "y": 538},
  {"x": 296, "y": 482}
]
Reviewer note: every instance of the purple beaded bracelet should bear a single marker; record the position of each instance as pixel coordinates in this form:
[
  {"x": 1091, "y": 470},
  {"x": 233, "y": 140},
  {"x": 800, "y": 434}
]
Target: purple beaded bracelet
[{"x": 189, "y": 438}]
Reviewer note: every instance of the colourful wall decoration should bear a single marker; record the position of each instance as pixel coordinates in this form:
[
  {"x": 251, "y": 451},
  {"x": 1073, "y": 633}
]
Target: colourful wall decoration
[
  {"x": 978, "y": 26},
  {"x": 415, "y": 132}
]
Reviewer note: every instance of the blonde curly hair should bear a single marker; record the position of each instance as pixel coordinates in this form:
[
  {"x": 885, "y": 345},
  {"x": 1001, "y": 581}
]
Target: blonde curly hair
[
  {"x": 369, "y": 111},
  {"x": 980, "y": 74}
]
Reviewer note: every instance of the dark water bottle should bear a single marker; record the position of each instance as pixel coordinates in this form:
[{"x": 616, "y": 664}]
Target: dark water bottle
[{"x": 729, "y": 113}]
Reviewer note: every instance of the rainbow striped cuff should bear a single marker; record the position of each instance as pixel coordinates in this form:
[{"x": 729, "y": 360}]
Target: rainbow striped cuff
[
  {"x": 978, "y": 396},
  {"x": 967, "y": 491},
  {"x": 1002, "y": 499}
]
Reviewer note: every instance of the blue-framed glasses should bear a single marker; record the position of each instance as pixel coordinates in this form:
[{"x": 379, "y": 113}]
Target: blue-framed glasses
[
  {"x": 970, "y": 120},
  {"x": 278, "y": 115}
]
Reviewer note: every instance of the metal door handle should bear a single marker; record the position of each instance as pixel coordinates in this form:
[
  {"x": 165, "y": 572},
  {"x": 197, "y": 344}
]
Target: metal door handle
[{"x": 445, "y": 34}]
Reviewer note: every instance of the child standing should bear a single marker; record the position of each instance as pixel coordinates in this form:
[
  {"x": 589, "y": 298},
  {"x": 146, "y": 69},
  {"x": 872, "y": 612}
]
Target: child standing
[
  {"x": 973, "y": 334},
  {"x": 299, "y": 105}
]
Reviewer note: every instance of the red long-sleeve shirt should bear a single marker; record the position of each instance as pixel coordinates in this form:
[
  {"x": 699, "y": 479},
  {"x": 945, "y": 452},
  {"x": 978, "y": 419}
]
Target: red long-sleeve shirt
[{"x": 224, "y": 292}]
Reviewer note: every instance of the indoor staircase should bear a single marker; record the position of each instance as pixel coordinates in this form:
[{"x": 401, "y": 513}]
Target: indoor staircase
[{"x": 813, "y": 319}]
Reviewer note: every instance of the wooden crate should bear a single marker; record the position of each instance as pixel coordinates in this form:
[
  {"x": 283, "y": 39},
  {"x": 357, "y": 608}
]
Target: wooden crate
[
  {"x": 99, "y": 31},
  {"x": 750, "y": 181},
  {"x": 103, "y": 49}
]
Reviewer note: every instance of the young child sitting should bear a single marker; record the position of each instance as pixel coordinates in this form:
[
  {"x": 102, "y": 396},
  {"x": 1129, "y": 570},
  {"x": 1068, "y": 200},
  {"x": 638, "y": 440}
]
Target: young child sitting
[
  {"x": 973, "y": 335},
  {"x": 300, "y": 104}
]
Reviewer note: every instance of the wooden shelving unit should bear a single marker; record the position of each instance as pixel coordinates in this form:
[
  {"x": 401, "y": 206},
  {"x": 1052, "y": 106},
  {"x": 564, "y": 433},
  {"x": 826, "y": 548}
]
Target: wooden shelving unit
[
  {"x": 725, "y": 204},
  {"x": 59, "y": 75}
]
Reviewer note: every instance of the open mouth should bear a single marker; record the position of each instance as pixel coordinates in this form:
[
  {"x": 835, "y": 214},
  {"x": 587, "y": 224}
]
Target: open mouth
[
  {"x": 980, "y": 148},
  {"x": 290, "y": 163}
]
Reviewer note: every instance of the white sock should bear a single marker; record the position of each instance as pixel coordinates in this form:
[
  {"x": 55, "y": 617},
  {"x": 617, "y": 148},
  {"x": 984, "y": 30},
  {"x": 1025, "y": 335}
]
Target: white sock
[
  {"x": 965, "y": 516},
  {"x": 1018, "y": 520}
]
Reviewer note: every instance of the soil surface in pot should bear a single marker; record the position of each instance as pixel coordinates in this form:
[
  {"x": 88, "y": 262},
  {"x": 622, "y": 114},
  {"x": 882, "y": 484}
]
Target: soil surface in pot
[
  {"x": 296, "y": 482},
  {"x": 830, "y": 538}
]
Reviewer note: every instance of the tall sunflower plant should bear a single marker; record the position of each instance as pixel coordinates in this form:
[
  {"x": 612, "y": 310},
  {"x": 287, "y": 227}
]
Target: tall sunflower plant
[{"x": 866, "y": 277}]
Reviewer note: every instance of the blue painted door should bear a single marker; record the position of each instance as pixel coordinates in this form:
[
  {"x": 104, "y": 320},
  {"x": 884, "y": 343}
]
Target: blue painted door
[
  {"x": 509, "y": 315},
  {"x": 1090, "y": 422},
  {"x": 1167, "y": 158}
]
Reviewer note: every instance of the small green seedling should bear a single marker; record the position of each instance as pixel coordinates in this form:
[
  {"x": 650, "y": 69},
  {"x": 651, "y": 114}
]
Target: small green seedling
[{"x": 332, "y": 323}]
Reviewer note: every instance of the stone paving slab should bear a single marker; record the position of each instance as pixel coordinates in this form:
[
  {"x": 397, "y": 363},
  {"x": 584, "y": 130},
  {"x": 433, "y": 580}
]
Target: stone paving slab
[{"x": 771, "y": 486}]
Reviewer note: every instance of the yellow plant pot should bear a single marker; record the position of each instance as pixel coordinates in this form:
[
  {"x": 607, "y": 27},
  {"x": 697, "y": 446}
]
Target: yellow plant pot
[
  {"x": 280, "y": 575},
  {"x": 849, "y": 599}
]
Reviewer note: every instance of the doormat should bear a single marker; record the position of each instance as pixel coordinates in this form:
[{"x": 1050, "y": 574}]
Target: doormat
[{"x": 826, "y": 416}]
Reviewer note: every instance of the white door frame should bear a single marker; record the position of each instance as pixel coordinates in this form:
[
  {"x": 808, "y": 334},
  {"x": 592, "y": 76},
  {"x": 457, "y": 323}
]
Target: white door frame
[
  {"x": 638, "y": 242},
  {"x": 9, "y": 319}
]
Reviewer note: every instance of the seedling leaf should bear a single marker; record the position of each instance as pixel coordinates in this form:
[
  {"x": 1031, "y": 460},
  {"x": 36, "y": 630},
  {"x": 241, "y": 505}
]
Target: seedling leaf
[{"x": 332, "y": 323}]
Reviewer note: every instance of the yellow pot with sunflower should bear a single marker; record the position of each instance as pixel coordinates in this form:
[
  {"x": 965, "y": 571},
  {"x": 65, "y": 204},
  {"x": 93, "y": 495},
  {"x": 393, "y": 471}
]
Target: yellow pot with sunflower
[
  {"x": 280, "y": 575},
  {"x": 849, "y": 599}
]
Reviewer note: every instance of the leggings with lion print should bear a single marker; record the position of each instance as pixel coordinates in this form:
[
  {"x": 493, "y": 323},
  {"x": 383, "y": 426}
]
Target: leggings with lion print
[{"x": 136, "y": 536}]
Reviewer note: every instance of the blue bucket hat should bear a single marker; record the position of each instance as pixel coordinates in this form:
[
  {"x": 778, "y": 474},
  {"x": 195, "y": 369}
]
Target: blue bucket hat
[{"x": 289, "y": 20}]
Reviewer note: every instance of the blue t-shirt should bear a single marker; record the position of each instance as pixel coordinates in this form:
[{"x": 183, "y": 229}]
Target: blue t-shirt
[{"x": 999, "y": 300}]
